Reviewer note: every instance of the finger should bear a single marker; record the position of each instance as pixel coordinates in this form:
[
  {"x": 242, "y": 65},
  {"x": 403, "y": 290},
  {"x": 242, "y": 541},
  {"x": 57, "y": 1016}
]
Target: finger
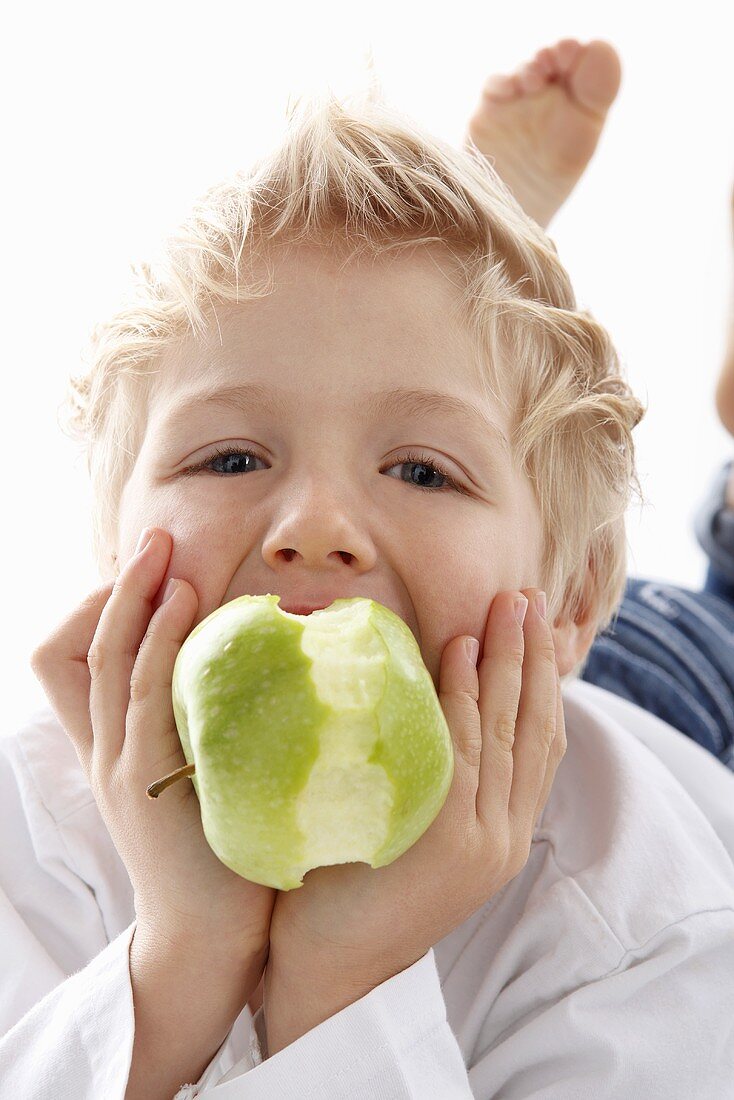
[
  {"x": 116, "y": 642},
  {"x": 458, "y": 694},
  {"x": 500, "y": 683},
  {"x": 558, "y": 751},
  {"x": 60, "y": 666},
  {"x": 152, "y": 746},
  {"x": 536, "y": 720}
]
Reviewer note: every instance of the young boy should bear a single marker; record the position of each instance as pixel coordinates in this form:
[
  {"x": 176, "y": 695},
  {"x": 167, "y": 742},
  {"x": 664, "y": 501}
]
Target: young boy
[{"x": 557, "y": 931}]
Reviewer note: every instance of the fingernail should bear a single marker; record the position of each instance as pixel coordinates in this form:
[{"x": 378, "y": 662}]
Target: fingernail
[
  {"x": 521, "y": 607},
  {"x": 169, "y": 589},
  {"x": 144, "y": 539},
  {"x": 540, "y": 604},
  {"x": 472, "y": 649}
]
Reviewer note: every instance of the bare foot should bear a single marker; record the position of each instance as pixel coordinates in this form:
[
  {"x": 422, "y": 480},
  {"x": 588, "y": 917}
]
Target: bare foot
[
  {"x": 539, "y": 126},
  {"x": 725, "y": 387}
]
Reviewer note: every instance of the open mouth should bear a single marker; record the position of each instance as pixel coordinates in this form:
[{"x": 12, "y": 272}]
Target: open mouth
[{"x": 301, "y": 610}]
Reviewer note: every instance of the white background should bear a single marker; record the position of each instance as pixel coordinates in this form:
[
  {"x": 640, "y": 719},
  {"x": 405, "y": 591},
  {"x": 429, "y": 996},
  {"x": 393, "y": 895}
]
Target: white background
[{"x": 118, "y": 116}]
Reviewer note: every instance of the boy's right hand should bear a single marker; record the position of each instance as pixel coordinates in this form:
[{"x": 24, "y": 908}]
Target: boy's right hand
[{"x": 107, "y": 672}]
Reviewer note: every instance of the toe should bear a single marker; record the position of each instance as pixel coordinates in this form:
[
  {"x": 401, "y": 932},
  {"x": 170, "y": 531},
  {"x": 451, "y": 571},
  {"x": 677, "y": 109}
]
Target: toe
[
  {"x": 596, "y": 76},
  {"x": 501, "y": 87},
  {"x": 531, "y": 77},
  {"x": 565, "y": 53},
  {"x": 546, "y": 61}
]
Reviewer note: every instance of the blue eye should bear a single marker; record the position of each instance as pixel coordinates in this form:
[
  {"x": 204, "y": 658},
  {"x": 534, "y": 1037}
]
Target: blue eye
[
  {"x": 423, "y": 462},
  {"x": 235, "y": 464}
]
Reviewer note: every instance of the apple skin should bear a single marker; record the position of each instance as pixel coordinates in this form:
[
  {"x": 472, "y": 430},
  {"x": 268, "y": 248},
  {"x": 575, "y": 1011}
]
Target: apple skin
[{"x": 317, "y": 739}]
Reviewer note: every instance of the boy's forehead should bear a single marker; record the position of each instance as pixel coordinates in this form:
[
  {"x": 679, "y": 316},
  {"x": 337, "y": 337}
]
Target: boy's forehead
[
  {"x": 360, "y": 326},
  {"x": 404, "y": 309},
  {"x": 419, "y": 286}
]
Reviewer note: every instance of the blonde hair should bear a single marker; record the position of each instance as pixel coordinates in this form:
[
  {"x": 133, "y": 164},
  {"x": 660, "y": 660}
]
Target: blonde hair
[{"x": 368, "y": 177}]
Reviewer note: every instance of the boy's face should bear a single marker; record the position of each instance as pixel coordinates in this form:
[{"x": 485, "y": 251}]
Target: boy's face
[{"x": 330, "y": 506}]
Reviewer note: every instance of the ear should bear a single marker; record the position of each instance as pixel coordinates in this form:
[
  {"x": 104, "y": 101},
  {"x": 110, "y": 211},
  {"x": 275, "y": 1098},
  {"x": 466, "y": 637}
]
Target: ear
[{"x": 573, "y": 638}]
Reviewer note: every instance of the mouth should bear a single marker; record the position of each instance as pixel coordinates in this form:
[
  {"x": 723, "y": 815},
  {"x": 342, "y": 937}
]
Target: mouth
[{"x": 302, "y": 609}]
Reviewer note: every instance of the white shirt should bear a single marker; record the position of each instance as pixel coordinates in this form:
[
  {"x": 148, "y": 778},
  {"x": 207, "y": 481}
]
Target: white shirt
[{"x": 605, "y": 968}]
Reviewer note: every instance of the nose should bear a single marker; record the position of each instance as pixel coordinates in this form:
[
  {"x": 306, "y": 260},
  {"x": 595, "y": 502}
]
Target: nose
[
  {"x": 290, "y": 554},
  {"x": 319, "y": 535}
]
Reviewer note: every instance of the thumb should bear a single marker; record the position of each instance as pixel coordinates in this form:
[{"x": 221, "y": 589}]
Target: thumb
[{"x": 59, "y": 663}]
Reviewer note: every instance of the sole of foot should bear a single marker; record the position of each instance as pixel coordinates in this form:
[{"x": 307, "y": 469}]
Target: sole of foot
[{"x": 540, "y": 125}]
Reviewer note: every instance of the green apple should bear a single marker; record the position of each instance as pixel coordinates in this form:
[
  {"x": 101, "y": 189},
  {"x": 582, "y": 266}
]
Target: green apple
[{"x": 316, "y": 739}]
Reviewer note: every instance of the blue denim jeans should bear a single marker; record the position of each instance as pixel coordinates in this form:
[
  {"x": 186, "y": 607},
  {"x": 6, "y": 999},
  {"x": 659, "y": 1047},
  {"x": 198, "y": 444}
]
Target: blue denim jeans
[{"x": 670, "y": 649}]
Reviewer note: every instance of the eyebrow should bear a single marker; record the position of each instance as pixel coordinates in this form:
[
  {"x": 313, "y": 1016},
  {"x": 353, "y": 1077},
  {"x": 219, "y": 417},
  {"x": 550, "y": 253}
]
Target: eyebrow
[{"x": 401, "y": 401}]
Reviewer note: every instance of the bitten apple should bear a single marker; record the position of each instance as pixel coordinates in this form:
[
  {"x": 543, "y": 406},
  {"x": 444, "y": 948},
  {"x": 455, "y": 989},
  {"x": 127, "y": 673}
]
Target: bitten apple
[{"x": 316, "y": 739}]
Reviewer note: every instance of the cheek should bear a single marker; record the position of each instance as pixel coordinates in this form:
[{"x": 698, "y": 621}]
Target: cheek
[
  {"x": 205, "y": 552},
  {"x": 459, "y": 578},
  {"x": 204, "y": 556}
]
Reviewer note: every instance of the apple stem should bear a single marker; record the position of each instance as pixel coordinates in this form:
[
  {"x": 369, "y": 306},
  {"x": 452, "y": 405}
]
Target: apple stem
[{"x": 160, "y": 784}]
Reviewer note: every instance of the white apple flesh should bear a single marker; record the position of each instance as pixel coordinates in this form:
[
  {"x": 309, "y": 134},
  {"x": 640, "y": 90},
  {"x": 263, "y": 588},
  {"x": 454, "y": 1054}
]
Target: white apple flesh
[{"x": 317, "y": 739}]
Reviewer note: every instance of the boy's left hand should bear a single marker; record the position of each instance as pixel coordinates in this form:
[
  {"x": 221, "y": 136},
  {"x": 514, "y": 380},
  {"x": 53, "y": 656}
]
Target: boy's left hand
[{"x": 350, "y": 927}]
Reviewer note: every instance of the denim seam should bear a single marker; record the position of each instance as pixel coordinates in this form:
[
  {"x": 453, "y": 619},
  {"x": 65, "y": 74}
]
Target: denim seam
[
  {"x": 711, "y": 621},
  {"x": 699, "y": 612},
  {"x": 691, "y": 660},
  {"x": 671, "y": 593},
  {"x": 659, "y": 673}
]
